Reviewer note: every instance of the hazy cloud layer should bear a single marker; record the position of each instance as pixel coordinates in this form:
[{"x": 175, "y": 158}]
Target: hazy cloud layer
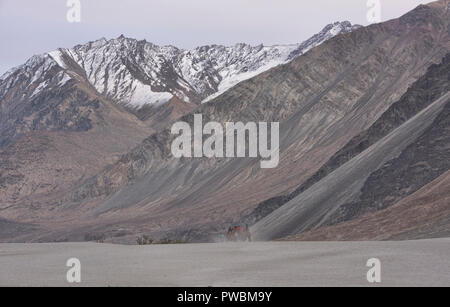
[{"x": 33, "y": 27}]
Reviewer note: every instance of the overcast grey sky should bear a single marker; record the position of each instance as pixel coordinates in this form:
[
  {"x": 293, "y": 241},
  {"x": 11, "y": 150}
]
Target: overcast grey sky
[{"x": 30, "y": 27}]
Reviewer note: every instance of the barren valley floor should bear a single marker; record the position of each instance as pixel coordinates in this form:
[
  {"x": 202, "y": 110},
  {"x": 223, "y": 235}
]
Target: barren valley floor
[{"x": 403, "y": 263}]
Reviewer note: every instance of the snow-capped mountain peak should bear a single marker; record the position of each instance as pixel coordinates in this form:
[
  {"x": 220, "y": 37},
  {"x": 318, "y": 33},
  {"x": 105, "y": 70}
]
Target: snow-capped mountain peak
[{"x": 137, "y": 73}]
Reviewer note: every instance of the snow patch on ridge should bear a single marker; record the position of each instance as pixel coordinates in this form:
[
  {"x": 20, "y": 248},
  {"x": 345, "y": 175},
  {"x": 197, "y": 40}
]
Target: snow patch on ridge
[
  {"x": 57, "y": 57},
  {"x": 143, "y": 94}
]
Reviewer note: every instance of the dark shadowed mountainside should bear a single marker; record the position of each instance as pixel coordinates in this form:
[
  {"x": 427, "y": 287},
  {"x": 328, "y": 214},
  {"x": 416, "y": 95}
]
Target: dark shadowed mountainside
[{"x": 422, "y": 93}]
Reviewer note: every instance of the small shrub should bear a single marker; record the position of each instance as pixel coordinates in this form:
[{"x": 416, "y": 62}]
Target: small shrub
[{"x": 144, "y": 240}]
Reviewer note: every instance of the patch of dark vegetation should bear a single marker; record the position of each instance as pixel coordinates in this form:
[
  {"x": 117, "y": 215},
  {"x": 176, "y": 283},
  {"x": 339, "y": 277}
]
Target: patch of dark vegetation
[
  {"x": 170, "y": 241},
  {"x": 95, "y": 237},
  {"x": 146, "y": 240}
]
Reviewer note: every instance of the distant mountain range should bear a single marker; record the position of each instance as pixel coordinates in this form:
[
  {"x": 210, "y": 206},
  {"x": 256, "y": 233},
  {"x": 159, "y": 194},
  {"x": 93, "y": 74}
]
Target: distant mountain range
[
  {"x": 136, "y": 73},
  {"x": 85, "y": 137}
]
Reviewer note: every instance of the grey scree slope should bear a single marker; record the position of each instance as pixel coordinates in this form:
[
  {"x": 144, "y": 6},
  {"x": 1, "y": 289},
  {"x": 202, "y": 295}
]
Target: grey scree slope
[{"x": 311, "y": 208}]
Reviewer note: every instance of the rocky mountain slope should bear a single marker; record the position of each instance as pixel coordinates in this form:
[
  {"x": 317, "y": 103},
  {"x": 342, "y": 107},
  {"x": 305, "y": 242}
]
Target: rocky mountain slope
[
  {"x": 322, "y": 99},
  {"x": 398, "y": 165},
  {"x": 67, "y": 114},
  {"x": 431, "y": 86},
  {"x": 137, "y": 73},
  {"x": 423, "y": 214},
  {"x": 423, "y": 161}
]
